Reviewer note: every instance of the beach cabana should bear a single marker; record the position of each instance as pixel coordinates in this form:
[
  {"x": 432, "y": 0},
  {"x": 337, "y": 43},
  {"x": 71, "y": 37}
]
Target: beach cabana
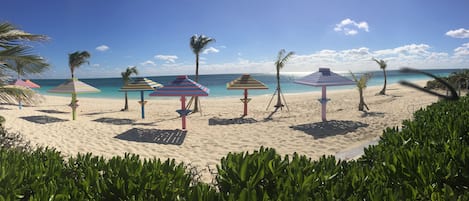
[
  {"x": 182, "y": 86},
  {"x": 73, "y": 86},
  {"x": 21, "y": 83},
  {"x": 141, "y": 85},
  {"x": 245, "y": 82},
  {"x": 323, "y": 78}
]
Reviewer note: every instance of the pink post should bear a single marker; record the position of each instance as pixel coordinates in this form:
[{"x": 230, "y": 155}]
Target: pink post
[
  {"x": 245, "y": 102},
  {"x": 183, "y": 108},
  {"x": 323, "y": 104}
]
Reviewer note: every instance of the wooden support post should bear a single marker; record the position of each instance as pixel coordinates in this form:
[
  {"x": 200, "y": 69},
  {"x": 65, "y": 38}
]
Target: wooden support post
[{"x": 183, "y": 108}]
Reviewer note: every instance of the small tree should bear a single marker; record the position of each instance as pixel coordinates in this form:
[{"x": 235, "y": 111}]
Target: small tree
[
  {"x": 361, "y": 85},
  {"x": 382, "y": 65},
  {"x": 126, "y": 79},
  {"x": 282, "y": 58},
  {"x": 198, "y": 43},
  {"x": 75, "y": 60}
]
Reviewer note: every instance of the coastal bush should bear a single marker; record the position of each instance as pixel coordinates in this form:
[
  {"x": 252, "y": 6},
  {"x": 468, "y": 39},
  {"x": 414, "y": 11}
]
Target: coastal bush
[
  {"x": 426, "y": 159},
  {"x": 9, "y": 140},
  {"x": 44, "y": 175}
]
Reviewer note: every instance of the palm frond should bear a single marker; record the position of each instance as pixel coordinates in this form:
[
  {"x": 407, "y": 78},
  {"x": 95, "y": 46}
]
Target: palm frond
[
  {"x": 363, "y": 81},
  {"x": 11, "y": 36},
  {"x": 199, "y": 42},
  {"x": 128, "y": 72},
  {"x": 77, "y": 59},
  {"x": 20, "y": 60},
  {"x": 282, "y": 58},
  {"x": 382, "y": 64},
  {"x": 11, "y": 94}
]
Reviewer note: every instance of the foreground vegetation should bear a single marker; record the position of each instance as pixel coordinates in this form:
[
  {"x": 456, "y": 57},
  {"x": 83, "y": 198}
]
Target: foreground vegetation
[{"x": 426, "y": 159}]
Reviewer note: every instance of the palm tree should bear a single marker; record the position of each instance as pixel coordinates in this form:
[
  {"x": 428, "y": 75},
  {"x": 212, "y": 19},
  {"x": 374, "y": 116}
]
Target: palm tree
[
  {"x": 382, "y": 65},
  {"x": 361, "y": 85},
  {"x": 75, "y": 60},
  {"x": 126, "y": 78},
  {"x": 13, "y": 53},
  {"x": 198, "y": 43},
  {"x": 282, "y": 58}
]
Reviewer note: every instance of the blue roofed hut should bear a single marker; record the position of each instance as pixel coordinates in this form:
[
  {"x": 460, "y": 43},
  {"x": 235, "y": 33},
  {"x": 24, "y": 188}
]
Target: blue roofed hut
[{"x": 323, "y": 78}]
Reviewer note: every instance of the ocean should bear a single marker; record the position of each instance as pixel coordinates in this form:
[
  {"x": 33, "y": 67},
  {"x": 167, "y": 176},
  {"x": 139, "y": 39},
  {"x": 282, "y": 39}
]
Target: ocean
[{"x": 217, "y": 83}]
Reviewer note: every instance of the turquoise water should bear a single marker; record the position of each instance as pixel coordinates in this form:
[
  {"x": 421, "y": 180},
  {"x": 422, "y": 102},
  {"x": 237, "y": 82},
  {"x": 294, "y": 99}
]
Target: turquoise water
[{"x": 217, "y": 83}]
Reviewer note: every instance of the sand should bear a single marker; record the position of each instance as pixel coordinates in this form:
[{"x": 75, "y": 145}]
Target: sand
[{"x": 101, "y": 128}]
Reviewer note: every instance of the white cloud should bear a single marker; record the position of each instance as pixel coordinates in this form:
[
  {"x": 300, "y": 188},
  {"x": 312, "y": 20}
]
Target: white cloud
[
  {"x": 210, "y": 50},
  {"x": 95, "y": 65},
  {"x": 167, "y": 58},
  {"x": 148, "y": 63},
  {"x": 462, "y": 51},
  {"x": 350, "y": 27},
  {"x": 458, "y": 33},
  {"x": 102, "y": 48}
]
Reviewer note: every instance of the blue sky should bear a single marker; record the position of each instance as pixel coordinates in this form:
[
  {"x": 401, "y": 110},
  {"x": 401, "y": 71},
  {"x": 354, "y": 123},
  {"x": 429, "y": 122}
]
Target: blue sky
[{"x": 154, "y": 35}]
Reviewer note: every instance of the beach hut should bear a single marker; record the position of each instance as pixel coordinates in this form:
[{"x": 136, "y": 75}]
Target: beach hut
[
  {"x": 21, "y": 83},
  {"x": 182, "y": 86},
  {"x": 142, "y": 85},
  {"x": 245, "y": 82},
  {"x": 323, "y": 78},
  {"x": 74, "y": 86}
]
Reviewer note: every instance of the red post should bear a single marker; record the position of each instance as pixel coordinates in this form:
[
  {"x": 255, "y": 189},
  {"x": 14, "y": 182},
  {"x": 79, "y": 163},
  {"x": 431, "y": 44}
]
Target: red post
[
  {"x": 183, "y": 107},
  {"x": 245, "y": 102}
]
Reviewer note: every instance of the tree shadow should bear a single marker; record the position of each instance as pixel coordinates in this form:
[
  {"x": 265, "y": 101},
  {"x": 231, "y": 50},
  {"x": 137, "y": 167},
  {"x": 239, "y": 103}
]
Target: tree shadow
[
  {"x": 174, "y": 137},
  {"x": 239, "y": 120},
  {"x": 43, "y": 119},
  {"x": 329, "y": 128},
  {"x": 373, "y": 114},
  {"x": 269, "y": 118}
]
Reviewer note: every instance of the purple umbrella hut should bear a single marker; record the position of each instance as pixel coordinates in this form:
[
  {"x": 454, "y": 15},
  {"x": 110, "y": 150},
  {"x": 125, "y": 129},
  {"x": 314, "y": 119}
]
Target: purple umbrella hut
[
  {"x": 323, "y": 78},
  {"x": 182, "y": 86}
]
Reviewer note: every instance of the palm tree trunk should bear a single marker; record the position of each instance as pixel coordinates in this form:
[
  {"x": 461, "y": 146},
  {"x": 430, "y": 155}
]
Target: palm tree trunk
[
  {"x": 196, "y": 99},
  {"x": 126, "y": 106},
  {"x": 279, "y": 100},
  {"x": 383, "y": 91},
  {"x": 362, "y": 101}
]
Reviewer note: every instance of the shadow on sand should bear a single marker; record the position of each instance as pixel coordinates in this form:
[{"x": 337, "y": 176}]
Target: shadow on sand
[
  {"x": 117, "y": 121},
  {"x": 43, "y": 119},
  {"x": 329, "y": 128},
  {"x": 239, "y": 120},
  {"x": 174, "y": 137},
  {"x": 52, "y": 111}
]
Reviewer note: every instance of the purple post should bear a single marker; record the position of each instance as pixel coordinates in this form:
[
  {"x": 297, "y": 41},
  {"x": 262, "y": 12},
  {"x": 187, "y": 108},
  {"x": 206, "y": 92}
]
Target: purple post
[
  {"x": 183, "y": 108},
  {"x": 323, "y": 104}
]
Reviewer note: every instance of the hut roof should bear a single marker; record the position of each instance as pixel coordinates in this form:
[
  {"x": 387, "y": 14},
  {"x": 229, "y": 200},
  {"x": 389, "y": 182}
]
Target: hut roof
[
  {"x": 246, "y": 82},
  {"x": 141, "y": 84},
  {"x": 73, "y": 86},
  {"x": 325, "y": 77},
  {"x": 182, "y": 86}
]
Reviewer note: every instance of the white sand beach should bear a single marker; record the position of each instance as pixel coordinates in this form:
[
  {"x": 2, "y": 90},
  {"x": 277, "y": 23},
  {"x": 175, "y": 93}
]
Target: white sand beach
[{"x": 101, "y": 127}]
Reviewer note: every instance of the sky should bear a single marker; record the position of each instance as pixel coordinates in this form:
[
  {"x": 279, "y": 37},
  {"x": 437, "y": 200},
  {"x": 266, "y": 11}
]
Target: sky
[{"x": 154, "y": 35}]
